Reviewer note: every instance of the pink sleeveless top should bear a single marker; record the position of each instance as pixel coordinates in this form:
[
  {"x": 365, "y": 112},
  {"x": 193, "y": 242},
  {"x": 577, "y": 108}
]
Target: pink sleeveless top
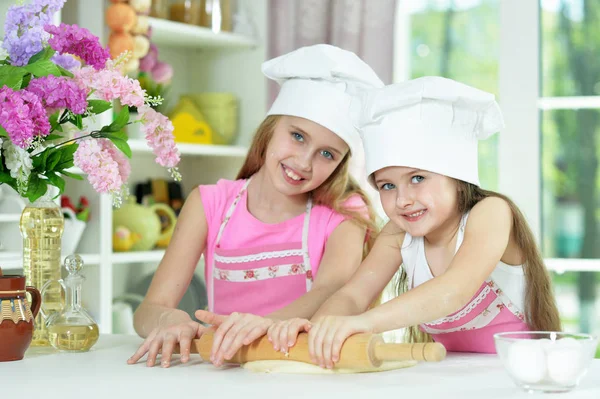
[
  {"x": 491, "y": 310},
  {"x": 255, "y": 267}
]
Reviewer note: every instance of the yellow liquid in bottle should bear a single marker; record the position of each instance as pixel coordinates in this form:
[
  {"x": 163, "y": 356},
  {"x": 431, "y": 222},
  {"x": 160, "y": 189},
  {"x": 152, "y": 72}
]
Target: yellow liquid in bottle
[
  {"x": 73, "y": 338},
  {"x": 42, "y": 228}
]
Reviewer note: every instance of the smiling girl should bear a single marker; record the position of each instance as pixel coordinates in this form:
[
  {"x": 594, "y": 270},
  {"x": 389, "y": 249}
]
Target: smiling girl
[
  {"x": 290, "y": 231},
  {"x": 471, "y": 267}
]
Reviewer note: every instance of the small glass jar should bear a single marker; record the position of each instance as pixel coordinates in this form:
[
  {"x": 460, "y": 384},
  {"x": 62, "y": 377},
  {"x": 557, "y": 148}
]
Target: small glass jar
[
  {"x": 217, "y": 15},
  {"x": 186, "y": 11},
  {"x": 160, "y": 9}
]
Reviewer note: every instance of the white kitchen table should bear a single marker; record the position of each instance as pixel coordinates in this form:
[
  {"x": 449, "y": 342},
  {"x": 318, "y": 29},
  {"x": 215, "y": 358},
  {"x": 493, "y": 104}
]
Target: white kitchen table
[{"x": 103, "y": 373}]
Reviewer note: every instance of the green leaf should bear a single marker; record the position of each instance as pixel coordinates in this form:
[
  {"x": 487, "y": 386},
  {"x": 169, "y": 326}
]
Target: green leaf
[
  {"x": 45, "y": 54},
  {"x": 79, "y": 122},
  {"x": 25, "y": 81},
  {"x": 12, "y": 76},
  {"x": 71, "y": 175},
  {"x": 43, "y": 68},
  {"x": 53, "y": 160},
  {"x": 122, "y": 145},
  {"x": 36, "y": 188},
  {"x": 66, "y": 156},
  {"x": 56, "y": 181},
  {"x": 54, "y": 121},
  {"x": 5, "y": 177},
  {"x": 119, "y": 123},
  {"x": 65, "y": 72},
  {"x": 98, "y": 106},
  {"x": 3, "y": 132},
  {"x": 39, "y": 161},
  {"x": 53, "y": 136}
]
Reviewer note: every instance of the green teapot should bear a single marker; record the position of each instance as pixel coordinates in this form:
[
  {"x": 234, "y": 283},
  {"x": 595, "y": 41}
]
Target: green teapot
[{"x": 153, "y": 224}]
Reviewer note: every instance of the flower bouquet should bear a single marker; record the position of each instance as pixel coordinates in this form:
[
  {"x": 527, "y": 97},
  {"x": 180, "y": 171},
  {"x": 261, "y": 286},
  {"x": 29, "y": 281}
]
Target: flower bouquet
[{"x": 54, "y": 82}]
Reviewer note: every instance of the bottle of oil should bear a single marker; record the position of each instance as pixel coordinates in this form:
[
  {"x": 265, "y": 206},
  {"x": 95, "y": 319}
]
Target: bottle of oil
[
  {"x": 72, "y": 328},
  {"x": 41, "y": 227}
]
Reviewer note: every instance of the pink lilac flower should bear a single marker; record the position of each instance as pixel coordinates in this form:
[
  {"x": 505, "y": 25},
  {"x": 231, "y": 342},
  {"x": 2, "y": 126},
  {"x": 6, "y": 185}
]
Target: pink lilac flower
[
  {"x": 149, "y": 60},
  {"x": 97, "y": 162},
  {"x": 162, "y": 72},
  {"x": 159, "y": 136},
  {"x": 23, "y": 116},
  {"x": 58, "y": 93},
  {"x": 109, "y": 84},
  {"x": 80, "y": 42},
  {"x": 118, "y": 157},
  {"x": 66, "y": 61}
]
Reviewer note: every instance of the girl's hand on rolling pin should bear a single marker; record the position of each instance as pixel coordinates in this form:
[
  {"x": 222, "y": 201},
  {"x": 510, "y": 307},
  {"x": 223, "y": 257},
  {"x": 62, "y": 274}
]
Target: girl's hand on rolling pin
[
  {"x": 233, "y": 332},
  {"x": 283, "y": 333},
  {"x": 327, "y": 335}
]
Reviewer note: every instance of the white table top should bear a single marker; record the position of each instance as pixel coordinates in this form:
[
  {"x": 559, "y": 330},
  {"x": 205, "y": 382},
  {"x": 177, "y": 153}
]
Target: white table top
[{"x": 47, "y": 374}]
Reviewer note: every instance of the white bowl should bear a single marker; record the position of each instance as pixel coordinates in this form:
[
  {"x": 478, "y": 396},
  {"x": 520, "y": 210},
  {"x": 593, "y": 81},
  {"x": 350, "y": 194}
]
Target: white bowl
[{"x": 541, "y": 361}]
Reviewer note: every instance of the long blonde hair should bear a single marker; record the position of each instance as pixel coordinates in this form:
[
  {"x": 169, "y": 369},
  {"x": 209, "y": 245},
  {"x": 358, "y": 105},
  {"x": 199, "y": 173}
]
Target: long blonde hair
[
  {"x": 338, "y": 187},
  {"x": 541, "y": 313}
]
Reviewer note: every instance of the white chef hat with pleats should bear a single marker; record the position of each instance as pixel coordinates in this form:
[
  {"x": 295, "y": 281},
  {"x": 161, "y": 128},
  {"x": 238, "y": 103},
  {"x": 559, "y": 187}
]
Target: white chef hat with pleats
[
  {"x": 429, "y": 123},
  {"x": 320, "y": 83}
]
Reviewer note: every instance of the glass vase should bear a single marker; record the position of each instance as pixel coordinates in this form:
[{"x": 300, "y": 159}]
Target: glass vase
[{"x": 42, "y": 225}]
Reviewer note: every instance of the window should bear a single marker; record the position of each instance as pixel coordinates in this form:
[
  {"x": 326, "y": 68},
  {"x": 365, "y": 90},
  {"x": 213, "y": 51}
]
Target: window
[
  {"x": 570, "y": 153},
  {"x": 459, "y": 40}
]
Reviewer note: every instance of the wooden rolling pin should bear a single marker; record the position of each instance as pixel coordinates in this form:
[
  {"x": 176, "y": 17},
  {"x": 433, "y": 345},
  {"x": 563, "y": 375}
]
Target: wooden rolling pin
[{"x": 359, "y": 351}]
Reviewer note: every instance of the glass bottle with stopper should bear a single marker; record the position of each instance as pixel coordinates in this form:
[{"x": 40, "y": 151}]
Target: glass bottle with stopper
[{"x": 72, "y": 328}]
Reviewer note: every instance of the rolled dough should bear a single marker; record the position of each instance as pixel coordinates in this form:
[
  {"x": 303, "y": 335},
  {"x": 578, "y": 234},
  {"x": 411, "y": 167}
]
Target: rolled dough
[{"x": 293, "y": 367}]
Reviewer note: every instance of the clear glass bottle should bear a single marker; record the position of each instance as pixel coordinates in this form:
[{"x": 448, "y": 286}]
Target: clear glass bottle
[
  {"x": 217, "y": 15},
  {"x": 72, "y": 328},
  {"x": 186, "y": 11},
  {"x": 41, "y": 226}
]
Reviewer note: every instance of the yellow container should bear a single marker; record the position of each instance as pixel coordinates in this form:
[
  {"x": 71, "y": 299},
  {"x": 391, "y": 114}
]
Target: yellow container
[
  {"x": 220, "y": 110},
  {"x": 189, "y": 123}
]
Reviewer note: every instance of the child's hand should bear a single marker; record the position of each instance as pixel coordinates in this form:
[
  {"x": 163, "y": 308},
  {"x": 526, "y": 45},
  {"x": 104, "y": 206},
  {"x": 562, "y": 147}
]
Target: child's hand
[
  {"x": 233, "y": 332},
  {"x": 327, "y": 335},
  {"x": 164, "y": 340},
  {"x": 283, "y": 333}
]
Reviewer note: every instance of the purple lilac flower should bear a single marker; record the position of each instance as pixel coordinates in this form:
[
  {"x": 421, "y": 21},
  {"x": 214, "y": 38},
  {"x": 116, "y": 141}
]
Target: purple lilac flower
[
  {"x": 66, "y": 61},
  {"x": 58, "y": 93},
  {"x": 24, "y": 29},
  {"x": 23, "y": 116},
  {"x": 80, "y": 42}
]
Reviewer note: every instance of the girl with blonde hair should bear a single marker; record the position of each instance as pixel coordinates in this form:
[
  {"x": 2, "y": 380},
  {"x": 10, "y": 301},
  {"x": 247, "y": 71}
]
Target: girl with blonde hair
[{"x": 287, "y": 233}]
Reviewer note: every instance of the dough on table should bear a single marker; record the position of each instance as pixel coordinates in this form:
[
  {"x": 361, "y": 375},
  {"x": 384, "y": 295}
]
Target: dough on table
[{"x": 293, "y": 367}]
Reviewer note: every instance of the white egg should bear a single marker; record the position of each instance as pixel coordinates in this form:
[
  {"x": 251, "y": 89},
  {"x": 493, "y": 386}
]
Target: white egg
[
  {"x": 526, "y": 361},
  {"x": 565, "y": 361}
]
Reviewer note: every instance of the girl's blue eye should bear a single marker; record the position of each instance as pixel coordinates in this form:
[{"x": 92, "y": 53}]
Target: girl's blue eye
[
  {"x": 327, "y": 154},
  {"x": 417, "y": 179},
  {"x": 297, "y": 136},
  {"x": 387, "y": 186}
]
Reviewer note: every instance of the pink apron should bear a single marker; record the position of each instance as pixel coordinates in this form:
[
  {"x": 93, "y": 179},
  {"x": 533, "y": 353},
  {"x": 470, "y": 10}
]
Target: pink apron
[
  {"x": 472, "y": 328},
  {"x": 258, "y": 280}
]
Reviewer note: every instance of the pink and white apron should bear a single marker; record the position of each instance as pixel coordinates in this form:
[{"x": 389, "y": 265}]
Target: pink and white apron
[
  {"x": 261, "y": 279},
  {"x": 472, "y": 328}
]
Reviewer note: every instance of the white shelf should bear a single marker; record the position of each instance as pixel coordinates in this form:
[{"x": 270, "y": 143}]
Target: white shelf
[
  {"x": 7, "y": 218},
  {"x": 177, "y": 34},
  {"x": 137, "y": 256},
  {"x": 141, "y": 146},
  {"x": 14, "y": 260}
]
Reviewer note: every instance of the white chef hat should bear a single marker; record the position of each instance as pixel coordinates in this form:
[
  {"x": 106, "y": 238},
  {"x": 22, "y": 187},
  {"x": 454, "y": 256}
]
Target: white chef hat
[
  {"x": 430, "y": 123},
  {"x": 319, "y": 83}
]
